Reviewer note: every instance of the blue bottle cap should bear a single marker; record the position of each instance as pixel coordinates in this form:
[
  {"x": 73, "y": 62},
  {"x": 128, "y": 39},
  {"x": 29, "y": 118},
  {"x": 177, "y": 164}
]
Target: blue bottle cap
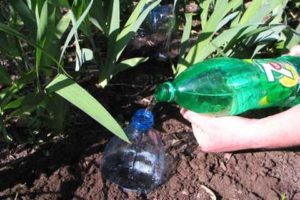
[{"x": 143, "y": 119}]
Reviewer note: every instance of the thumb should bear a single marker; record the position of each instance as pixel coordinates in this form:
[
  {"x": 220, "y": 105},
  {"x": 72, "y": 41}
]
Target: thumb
[{"x": 196, "y": 118}]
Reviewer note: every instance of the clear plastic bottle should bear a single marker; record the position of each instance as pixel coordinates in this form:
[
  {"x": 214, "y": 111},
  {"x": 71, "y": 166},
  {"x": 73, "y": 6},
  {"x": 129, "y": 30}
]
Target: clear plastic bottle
[
  {"x": 160, "y": 19},
  {"x": 141, "y": 165},
  {"x": 230, "y": 86}
]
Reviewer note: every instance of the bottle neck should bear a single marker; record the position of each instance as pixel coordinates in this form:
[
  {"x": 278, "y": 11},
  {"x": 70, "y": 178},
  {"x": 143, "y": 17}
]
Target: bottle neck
[
  {"x": 165, "y": 92},
  {"x": 142, "y": 120}
]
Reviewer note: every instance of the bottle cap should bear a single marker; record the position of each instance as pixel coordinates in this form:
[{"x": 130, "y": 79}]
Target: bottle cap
[
  {"x": 165, "y": 92},
  {"x": 143, "y": 119}
]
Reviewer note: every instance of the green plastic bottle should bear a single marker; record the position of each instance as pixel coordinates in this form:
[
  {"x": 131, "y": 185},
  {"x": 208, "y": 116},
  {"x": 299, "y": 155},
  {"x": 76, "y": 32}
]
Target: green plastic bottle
[{"x": 230, "y": 86}]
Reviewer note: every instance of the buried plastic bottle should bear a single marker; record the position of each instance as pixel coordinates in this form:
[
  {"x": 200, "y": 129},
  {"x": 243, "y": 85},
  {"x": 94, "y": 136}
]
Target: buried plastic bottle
[
  {"x": 141, "y": 165},
  {"x": 160, "y": 19}
]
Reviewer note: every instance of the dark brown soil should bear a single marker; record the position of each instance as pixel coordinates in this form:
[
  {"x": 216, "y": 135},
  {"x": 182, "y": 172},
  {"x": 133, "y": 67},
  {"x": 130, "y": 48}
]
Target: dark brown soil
[{"x": 68, "y": 168}]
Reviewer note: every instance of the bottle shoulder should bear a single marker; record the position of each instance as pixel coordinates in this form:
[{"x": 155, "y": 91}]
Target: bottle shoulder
[{"x": 214, "y": 70}]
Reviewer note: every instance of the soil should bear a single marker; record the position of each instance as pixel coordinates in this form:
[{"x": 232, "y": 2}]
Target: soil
[{"x": 68, "y": 168}]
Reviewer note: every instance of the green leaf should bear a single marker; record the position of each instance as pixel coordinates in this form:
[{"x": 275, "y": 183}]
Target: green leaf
[
  {"x": 204, "y": 14},
  {"x": 184, "y": 42},
  {"x": 207, "y": 33},
  {"x": 75, "y": 28},
  {"x": 57, "y": 108},
  {"x": 217, "y": 15},
  {"x": 224, "y": 38},
  {"x": 133, "y": 25},
  {"x": 15, "y": 33},
  {"x": 62, "y": 25},
  {"x": 277, "y": 13},
  {"x": 79, "y": 97},
  {"x": 4, "y": 76},
  {"x": 23, "y": 10},
  {"x": 5, "y": 135},
  {"x": 25, "y": 105},
  {"x": 15, "y": 103},
  {"x": 114, "y": 28},
  {"x": 292, "y": 38},
  {"x": 126, "y": 64},
  {"x": 252, "y": 11},
  {"x": 76, "y": 41},
  {"x": 99, "y": 16},
  {"x": 83, "y": 56},
  {"x": 258, "y": 10},
  {"x": 115, "y": 17},
  {"x": 227, "y": 19},
  {"x": 116, "y": 47},
  {"x": 42, "y": 21}
]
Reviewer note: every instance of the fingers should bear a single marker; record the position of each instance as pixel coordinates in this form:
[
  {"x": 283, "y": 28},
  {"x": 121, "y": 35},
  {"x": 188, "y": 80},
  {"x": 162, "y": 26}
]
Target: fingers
[{"x": 196, "y": 118}]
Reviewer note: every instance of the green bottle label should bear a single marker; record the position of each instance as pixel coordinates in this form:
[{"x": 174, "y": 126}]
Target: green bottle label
[{"x": 280, "y": 80}]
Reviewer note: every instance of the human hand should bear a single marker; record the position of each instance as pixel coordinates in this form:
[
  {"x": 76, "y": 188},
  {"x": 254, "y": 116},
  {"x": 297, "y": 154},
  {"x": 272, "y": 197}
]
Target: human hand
[{"x": 220, "y": 134}]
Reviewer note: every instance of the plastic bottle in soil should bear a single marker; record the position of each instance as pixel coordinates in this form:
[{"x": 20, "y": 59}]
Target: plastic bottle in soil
[
  {"x": 139, "y": 166},
  {"x": 156, "y": 32},
  {"x": 160, "y": 19},
  {"x": 230, "y": 86}
]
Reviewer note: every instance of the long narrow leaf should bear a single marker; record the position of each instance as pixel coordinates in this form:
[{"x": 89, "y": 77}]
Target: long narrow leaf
[
  {"x": 42, "y": 20},
  {"x": 117, "y": 47},
  {"x": 74, "y": 29},
  {"x": 126, "y": 64},
  {"x": 42, "y": 23},
  {"x": 251, "y": 11},
  {"x": 217, "y": 15},
  {"x": 292, "y": 38},
  {"x": 62, "y": 26},
  {"x": 184, "y": 42},
  {"x": 114, "y": 28},
  {"x": 258, "y": 10},
  {"x": 227, "y": 19},
  {"x": 4, "y": 76},
  {"x": 209, "y": 29},
  {"x": 79, "y": 97},
  {"x": 204, "y": 14},
  {"x": 15, "y": 33},
  {"x": 127, "y": 33},
  {"x": 25, "y": 14}
]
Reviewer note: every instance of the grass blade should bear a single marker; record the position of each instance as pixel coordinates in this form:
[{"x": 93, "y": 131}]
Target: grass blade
[
  {"x": 209, "y": 29},
  {"x": 62, "y": 26},
  {"x": 74, "y": 29},
  {"x": 258, "y": 10},
  {"x": 251, "y": 11},
  {"x": 204, "y": 14},
  {"x": 22, "y": 9},
  {"x": 132, "y": 26},
  {"x": 126, "y": 64},
  {"x": 15, "y": 33},
  {"x": 292, "y": 38},
  {"x": 114, "y": 27},
  {"x": 4, "y": 76},
  {"x": 181, "y": 66},
  {"x": 79, "y": 97}
]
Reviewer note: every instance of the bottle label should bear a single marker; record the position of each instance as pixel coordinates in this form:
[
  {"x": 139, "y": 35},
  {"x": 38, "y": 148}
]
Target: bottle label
[
  {"x": 284, "y": 72},
  {"x": 280, "y": 80}
]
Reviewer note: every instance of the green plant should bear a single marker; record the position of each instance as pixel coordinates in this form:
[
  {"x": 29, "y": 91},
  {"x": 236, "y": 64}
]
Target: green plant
[
  {"x": 118, "y": 38},
  {"x": 231, "y": 28},
  {"x": 33, "y": 32}
]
